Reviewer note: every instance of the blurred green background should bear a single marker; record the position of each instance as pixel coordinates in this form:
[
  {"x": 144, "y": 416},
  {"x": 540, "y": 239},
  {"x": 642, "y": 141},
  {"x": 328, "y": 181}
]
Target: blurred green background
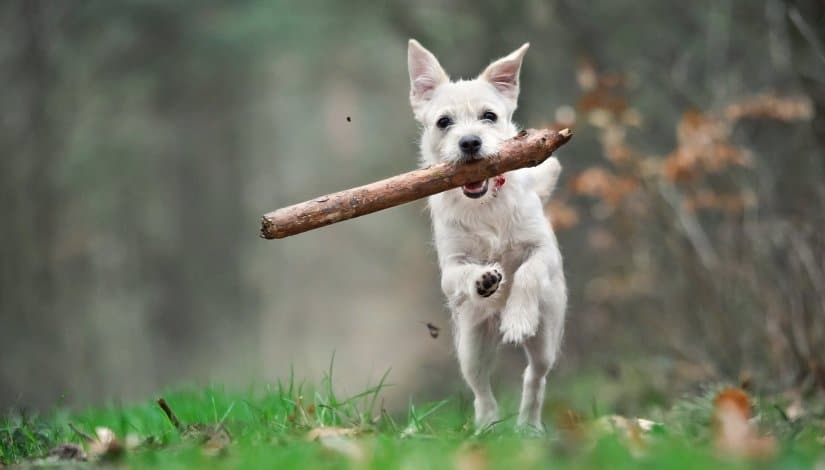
[{"x": 142, "y": 140}]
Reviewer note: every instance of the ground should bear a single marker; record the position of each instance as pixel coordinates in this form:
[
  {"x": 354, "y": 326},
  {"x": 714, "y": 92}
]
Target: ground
[{"x": 290, "y": 425}]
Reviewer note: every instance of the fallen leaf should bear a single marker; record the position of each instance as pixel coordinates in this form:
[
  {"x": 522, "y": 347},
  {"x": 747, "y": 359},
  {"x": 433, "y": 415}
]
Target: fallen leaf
[
  {"x": 795, "y": 410},
  {"x": 338, "y": 440},
  {"x": 215, "y": 438},
  {"x": 344, "y": 446},
  {"x": 471, "y": 457},
  {"x": 66, "y": 452},
  {"x": 105, "y": 445},
  {"x": 734, "y": 433},
  {"x": 327, "y": 431},
  {"x": 635, "y": 430}
]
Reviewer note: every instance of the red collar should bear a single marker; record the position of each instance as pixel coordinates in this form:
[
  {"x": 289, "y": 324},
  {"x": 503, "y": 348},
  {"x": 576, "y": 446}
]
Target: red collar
[{"x": 498, "y": 182}]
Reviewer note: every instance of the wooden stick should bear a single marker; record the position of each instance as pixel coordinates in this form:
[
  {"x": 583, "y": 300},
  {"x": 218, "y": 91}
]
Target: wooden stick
[{"x": 529, "y": 148}]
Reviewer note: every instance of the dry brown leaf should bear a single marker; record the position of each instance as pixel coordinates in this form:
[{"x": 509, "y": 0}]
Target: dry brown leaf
[
  {"x": 635, "y": 430},
  {"x": 569, "y": 422},
  {"x": 623, "y": 424},
  {"x": 703, "y": 147},
  {"x": 565, "y": 115},
  {"x": 133, "y": 441},
  {"x": 328, "y": 431},
  {"x": 600, "y": 239},
  {"x": 561, "y": 215},
  {"x": 216, "y": 440},
  {"x": 734, "y": 433},
  {"x": 105, "y": 445},
  {"x": 66, "y": 452},
  {"x": 593, "y": 181},
  {"x": 706, "y": 199},
  {"x": 344, "y": 446},
  {"x": 471, "y": 456},
  {"x": 586, "y": 74},
  {"x": 771, "y": 106},
  {"x": 599, "y": 183},
  {"x": 338, "y": 440},
  {"x": 615, "y": 148},
  {"x": 795, "y": 410}
]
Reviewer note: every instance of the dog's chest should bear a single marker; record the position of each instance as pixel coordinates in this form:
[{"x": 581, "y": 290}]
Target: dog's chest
[{"x": 492, "y": 238}]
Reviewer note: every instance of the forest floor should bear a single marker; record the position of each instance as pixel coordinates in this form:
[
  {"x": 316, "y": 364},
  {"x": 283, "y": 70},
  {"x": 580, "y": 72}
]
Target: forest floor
[{"x": 288, "y": 425}]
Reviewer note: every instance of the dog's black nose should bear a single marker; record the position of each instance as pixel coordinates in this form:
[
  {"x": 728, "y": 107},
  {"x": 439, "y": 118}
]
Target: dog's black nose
[{"x": 470, "y": 144}]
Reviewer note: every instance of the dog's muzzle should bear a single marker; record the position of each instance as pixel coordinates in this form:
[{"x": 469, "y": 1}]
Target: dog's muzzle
[{"x": 476, "y": 190}]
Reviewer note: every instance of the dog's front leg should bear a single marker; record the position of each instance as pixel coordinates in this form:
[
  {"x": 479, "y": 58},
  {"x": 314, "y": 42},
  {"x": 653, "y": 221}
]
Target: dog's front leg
[
  {"x": 470, "y": 288},
  {"x": 520, "y": 317}
]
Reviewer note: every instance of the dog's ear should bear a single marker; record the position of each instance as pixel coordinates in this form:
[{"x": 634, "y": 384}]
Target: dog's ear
[
  {"x": 503, "y": 73},
  {"x": 426, "y": 74}
]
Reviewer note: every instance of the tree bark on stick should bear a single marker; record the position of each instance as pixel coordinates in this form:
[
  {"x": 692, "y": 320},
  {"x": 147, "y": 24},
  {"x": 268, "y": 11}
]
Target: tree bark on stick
[{"x": 529, "y": 148}]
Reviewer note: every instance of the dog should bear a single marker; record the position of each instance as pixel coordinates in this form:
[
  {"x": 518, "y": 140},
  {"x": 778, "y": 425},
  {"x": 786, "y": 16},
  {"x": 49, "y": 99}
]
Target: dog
[{"x": 501, "y": 269}]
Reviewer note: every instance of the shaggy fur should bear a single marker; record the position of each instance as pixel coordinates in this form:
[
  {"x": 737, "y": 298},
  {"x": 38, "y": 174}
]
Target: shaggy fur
[{"x": 501, "y": 269}]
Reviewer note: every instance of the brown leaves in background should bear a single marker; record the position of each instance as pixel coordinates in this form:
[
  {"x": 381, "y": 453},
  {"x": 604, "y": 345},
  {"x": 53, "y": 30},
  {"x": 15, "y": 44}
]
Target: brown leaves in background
[
  {"x": 599, "y": 94},
  {"x": 771, "y": 106},
  {"x": 734, "y": 203},
  {"x": 562, "y": 215},
  {"x": 703, "y": 146},
  {"x": 598, "y": 182},
  {"x": 734, "y": 433}
]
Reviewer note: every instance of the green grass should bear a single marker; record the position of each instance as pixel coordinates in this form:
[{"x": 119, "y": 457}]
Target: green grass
[{"x": 269, "y": 427}]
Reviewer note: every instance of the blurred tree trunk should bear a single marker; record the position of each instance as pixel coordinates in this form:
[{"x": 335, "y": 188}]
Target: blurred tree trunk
[
  {"x": 806, "y": 20},
  {"x": 27, "y": 180},
  {"x": 805, "y": 25}
]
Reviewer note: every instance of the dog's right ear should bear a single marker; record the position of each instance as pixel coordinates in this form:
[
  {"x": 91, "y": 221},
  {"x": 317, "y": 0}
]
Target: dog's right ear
[{"x": 426, "y": 75}]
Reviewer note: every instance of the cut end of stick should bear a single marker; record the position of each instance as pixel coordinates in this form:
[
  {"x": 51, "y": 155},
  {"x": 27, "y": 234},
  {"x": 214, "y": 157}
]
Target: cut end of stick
[
  {"x": 566, "y": 132},
  {"x": 266, "y": 228}
]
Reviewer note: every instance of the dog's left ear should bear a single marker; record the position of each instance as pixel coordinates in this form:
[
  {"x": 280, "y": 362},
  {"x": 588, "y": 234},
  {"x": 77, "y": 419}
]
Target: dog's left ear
[{"x": 503, "y": 73}]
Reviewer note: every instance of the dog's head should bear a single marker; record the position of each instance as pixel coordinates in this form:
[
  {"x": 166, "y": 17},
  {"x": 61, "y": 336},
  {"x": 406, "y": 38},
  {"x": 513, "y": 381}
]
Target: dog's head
[{"x": 465, "y": 119}]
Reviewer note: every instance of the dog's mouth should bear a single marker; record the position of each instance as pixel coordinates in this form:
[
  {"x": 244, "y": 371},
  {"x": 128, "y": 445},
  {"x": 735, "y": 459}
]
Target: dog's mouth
[{"x": 475, "y": 190}]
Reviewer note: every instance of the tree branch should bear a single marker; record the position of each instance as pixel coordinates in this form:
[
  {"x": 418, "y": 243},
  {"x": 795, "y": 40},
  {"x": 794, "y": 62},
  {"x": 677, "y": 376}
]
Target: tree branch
[{"x": 529, "y": 148}]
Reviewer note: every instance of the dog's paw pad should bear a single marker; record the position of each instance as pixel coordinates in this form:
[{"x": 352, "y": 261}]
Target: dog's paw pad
[{"x": 487, "y": 284}]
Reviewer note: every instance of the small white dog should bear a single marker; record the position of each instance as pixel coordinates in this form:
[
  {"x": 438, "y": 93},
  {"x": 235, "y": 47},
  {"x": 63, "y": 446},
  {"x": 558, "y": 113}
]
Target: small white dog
[{"x": 501, "y": 269}]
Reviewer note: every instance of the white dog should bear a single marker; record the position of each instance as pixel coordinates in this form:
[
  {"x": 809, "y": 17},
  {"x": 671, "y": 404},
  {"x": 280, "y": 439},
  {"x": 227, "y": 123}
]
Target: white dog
[{"x": 501, "y": 269}]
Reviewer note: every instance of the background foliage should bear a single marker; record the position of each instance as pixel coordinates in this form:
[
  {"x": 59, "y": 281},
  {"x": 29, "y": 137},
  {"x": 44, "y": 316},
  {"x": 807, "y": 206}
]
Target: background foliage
[{"x": 141, "y": 140}]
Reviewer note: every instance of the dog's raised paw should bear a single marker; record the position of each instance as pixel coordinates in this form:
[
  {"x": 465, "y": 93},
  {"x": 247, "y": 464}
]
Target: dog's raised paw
[{"x": 488, "y": 283}]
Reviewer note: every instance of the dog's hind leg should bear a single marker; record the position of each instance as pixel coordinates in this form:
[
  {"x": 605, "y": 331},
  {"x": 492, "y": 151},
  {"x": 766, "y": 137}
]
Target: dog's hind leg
[
  {"x": 541, "y": 351},
  {"x": 476, "y": 345}
]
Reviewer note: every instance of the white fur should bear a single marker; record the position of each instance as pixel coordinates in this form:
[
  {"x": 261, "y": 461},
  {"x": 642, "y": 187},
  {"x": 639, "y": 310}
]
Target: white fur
[{"x": 506, "y": 233}]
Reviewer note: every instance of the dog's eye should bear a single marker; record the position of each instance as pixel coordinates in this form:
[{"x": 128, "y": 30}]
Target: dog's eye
[
  {"x": 489, "y": 116},
  {"x": 443, "y": 122}
]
